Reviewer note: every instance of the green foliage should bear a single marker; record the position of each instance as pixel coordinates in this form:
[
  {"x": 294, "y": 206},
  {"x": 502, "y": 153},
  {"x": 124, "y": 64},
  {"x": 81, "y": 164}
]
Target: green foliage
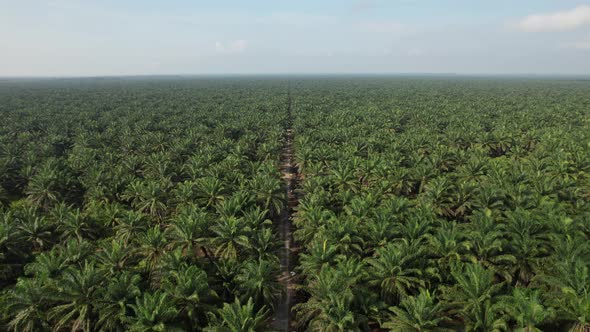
[
  {"x": 239, "y": 317},
  {"x": 423, "y": 204},
  {"x": 417, "y": 313}
]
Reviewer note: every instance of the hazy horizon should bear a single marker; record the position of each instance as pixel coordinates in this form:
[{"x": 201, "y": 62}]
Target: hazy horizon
[
  {"x": 305, "y": 75},
  {"x": 69, "y": 38}
]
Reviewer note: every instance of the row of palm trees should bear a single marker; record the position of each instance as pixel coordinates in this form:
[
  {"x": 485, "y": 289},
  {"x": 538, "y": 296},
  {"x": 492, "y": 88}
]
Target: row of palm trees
[
  {"x": 140, "y": 206},
  {"x": 432, "y": 205},
  {"x": 426, "y": 204}
]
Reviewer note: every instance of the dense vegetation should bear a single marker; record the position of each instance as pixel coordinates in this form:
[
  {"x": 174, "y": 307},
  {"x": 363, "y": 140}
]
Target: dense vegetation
[
  {"x": 139, "y": 205},
  {"x": 433, "y": 204},
  {"x": 426, "y": 204}
]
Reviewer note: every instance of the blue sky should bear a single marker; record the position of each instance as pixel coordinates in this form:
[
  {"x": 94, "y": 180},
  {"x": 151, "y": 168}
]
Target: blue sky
[{"x": 92, "y": 37}]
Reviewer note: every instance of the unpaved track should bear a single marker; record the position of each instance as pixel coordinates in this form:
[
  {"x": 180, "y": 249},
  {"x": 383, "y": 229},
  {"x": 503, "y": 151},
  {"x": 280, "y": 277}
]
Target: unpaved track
[{"x": 282, "y": 320}]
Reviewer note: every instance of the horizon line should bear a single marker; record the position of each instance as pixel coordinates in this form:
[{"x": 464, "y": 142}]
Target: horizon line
[{"x": 361, "y": 74}]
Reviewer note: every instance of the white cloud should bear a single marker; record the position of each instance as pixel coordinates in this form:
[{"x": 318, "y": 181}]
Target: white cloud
[
  {"x": 236, "y": 46},
  {"x": 557, "y": 21}
]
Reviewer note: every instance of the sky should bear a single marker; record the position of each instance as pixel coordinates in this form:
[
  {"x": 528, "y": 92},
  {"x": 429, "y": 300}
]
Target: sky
[{"x": 149, "y": 37}]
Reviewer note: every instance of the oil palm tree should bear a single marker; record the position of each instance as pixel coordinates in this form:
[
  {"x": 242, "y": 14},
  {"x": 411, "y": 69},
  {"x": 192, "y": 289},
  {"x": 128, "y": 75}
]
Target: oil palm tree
[
  {"x": 265, "y": 244},
  {"x": 27, "y": 305},
  {"x": 344, "y": 232},
  {"x": 378, "y": 230},
  {"x": 129, "y": 225},
  {"x": 209, "y": 191},
  {"x": 395, "y": 273},
  {"x": 258, "y": 280},
  {"x": 154, "y": 312},
  {"x": 474, "y": 297},
  {"x": 488, "y": 244},
  {"x": 152, "y": 245},
  {"x": 269, "y": 193},
  {"x": 12, "y": 251},
  {"x": 234, "y": 205},
  {"x": 231, "y": 237},
  {"x": 114, "y": 256},
  {"x": 189, "y": 289},
  {"x": 417, "y": 313},
  {"x": 330, "y": 306},
  {"x": 37, "y": 232},
  {"x": 569, "y": 283},
  {"x": 189, "y": 231},
  {"x": 115, "y": 299},
  {"x": 49, "y": 264},
  {"x": 321, "y": 252},
  {"x": 238, "y": 317},
  {"x": 148, "y": 196},
  {"x": 76, "y": 297},
  {"x": 529, "y": 243},
  {"x": 527, "y": 310},
  {"x": 44, "y": 187},
  {"x": 343, "y": 178},
  {"x": 447, "y": 246},
  {"x": 75, "y": 252},
  {"x": 73, "y": 224}
]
